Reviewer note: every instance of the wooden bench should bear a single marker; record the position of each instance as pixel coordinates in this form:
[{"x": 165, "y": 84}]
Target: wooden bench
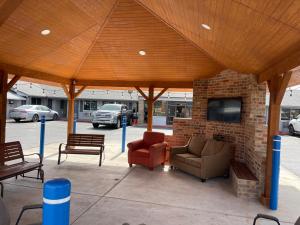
[
  {"x": 15, "y": 163},
  {"x": 89, "y": 144},
  {"x": 244, "y": 182}
]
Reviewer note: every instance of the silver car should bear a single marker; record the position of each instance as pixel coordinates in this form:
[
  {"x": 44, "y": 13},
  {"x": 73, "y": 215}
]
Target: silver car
[{"x": 32, "y": 113}]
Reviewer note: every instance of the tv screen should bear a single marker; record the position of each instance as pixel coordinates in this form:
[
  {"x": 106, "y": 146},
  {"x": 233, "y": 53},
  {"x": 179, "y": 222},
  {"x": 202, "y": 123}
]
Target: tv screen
[{"x": 225, "y": 109}]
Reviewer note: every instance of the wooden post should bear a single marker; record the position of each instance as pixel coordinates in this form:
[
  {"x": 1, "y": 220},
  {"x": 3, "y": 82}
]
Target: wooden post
[
  {"x": 277, "y": 87},
  {"x": 71, "y": 104},
  {"x": 150, "y": 102},
  {"x": 3, "y": 102}
]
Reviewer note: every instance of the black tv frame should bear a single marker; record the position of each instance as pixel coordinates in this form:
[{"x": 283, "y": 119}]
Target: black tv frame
[{"x": 224, "y": 98}]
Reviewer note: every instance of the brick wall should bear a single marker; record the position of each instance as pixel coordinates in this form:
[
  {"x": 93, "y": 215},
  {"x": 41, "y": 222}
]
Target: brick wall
[{"x": 249, "y": 136}]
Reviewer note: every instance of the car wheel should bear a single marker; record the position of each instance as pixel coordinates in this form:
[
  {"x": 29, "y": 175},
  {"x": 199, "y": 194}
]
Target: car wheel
[
  {"x": 118, "y": 124},
  {"x": 17, "y": 120},
  {"x": 55, "y": 117},
  {"x": 35, "y": 118},
  {"x": 291, "y": 130},
  {"x": 95, "y": 125}
]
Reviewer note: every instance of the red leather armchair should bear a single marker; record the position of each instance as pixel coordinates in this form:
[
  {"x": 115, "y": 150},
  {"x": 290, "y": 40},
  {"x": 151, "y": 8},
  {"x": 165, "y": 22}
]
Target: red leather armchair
[{"x": 150, "y": 151}]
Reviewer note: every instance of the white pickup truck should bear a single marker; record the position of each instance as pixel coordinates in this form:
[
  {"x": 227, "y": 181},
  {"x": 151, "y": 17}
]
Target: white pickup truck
[{"x": 294, "y": 126}]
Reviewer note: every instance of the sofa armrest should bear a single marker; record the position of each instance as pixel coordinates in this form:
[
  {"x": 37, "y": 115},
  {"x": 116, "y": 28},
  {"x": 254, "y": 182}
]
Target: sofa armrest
[
  {"x": 216, "y": 165},
  {"x": 178, "y": 150},
  {"x": 135, "y": 145}
]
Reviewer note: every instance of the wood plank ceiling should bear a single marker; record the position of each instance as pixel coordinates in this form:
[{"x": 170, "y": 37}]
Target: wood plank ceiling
[{"x": 93, "y": 40}]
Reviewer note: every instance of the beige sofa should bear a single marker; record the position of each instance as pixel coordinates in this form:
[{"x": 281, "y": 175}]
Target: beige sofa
[{"x": 204, "y": 158}]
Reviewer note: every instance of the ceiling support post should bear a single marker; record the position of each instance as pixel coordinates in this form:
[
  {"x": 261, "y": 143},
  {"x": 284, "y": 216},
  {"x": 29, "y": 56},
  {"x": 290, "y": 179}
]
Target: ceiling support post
[
  {"x": 277, "y": 86},
  {"x": 71, "y": 107},
  {"x": 3, "y": 103}
]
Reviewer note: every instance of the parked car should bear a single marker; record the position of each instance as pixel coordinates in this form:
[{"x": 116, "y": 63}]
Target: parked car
[
  {"x": 294, "y": 126},
  {"x": 110, "y": 114},
  {"x": 32, "y": 113}
]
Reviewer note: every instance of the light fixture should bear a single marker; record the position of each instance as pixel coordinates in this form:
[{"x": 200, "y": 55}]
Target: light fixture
[
  {"x": 45, "y": 32},
  {"x": 142, "y": 52},
  {"x": 205, "y": 26},
  {"x": 30, "y": 85},
  {"x": 43, "y": 91}
]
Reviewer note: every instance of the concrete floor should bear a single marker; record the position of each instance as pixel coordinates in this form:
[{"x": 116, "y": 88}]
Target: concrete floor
[{"x": 115, "y": 194}]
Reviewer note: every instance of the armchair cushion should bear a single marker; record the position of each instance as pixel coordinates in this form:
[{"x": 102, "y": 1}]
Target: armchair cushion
[
  {"x": 212, "y": 147},
  {"x": 151, "y": 138},
  {"x": 143, "y": 153},
  {"x": 196, "y": 145}
]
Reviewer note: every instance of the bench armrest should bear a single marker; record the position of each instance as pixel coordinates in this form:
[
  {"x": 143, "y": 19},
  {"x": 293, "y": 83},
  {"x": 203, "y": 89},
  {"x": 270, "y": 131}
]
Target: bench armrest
[
  {"x": 60, "y": 146},
  {"x": 38, "y": 154},
  {"x": 26, "y": 208},
  {"x": 264, "y": 216}
]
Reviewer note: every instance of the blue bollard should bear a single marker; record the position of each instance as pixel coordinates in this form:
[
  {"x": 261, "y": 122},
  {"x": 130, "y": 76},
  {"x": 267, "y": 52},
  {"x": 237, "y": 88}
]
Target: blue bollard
[
  {"x": 56, "y": 202},
  {"x": 275, "y": 172},
  {"x": 124, "y": 124},
  {"x": 42, "y": 135},
  {"x": 74, "y": 125}
]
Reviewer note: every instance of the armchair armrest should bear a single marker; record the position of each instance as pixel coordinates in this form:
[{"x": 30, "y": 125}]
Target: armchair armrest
[
  {"x": 38, "y": 154},
  {"x": 26, "y": 208},
  {"x": 158, "y": 146},
  {"x": 135, "y": 145}
]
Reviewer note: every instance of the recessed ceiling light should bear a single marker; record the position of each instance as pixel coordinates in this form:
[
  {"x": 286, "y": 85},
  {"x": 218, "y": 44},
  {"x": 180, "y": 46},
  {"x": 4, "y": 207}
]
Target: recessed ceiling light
[
  {"x": 205, "y": 26},
  {"x": 45, "y": 32},
  {"x": 142, "y": 52}
]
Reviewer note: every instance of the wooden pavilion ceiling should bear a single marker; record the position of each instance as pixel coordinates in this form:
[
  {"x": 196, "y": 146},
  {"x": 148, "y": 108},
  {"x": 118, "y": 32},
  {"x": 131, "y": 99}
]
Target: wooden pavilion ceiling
[{"x": 97, "y": 41}]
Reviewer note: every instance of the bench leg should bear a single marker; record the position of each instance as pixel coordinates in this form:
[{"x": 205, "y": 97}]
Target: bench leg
[
  {"x": 59, "y": 155},
  {"x": 42, "y": 176},
  {"x": 100, "y": 160},
  {"x": 2, "y": 188}
]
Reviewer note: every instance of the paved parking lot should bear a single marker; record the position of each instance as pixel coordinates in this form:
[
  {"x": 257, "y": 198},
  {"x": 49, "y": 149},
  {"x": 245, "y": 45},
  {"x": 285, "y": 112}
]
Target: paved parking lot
[{"x": 29, "y": 133}]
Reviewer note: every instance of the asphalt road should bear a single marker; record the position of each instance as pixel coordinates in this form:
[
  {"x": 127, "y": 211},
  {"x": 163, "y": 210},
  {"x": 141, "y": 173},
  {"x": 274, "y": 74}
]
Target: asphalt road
[{"x": 28, "y": 133}]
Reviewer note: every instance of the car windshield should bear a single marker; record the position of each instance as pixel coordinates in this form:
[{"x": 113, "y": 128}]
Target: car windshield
[
  {"x": 111, "y": 107},
  {"x": 25, "y": 107}
]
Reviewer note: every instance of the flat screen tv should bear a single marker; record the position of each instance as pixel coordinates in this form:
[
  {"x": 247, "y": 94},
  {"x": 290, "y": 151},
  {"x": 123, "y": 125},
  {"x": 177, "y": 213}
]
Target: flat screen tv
[{"x": 225, "y": 109}]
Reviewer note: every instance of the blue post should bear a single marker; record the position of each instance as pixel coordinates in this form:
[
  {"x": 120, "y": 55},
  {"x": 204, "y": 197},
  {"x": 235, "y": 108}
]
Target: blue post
[
  {"x": 74, "y": 124},
  {"x": 275, "y": 172},
  {"x": 42, "y": 135},
  {"x": 56, "y": 202},
  {"x": 124, "y": 124}
]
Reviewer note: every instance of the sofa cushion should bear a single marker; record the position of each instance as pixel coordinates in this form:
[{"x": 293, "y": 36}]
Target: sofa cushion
[
  {"x": 182, "y": 157},
  {"x": 196, "y": 145},
  {"x": 212, "y": 147},
  {"x": 194, "y": 162}
]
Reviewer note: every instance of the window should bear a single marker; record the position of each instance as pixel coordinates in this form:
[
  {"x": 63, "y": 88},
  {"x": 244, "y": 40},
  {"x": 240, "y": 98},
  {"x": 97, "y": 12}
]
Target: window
[
  {"x": 36, "y": 101},
  {"x": 49, "y": 103},
  {"x": 285, "y": 114},
  {"x": 89, "y": 105}
]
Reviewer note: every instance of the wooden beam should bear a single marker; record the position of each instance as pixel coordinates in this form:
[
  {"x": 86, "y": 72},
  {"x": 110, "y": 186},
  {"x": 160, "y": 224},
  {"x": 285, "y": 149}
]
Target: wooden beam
[
  {"x": 277, "y": 86},
  {"x": 283, "y": 84},
  {"x": 160, "y": 94},
  {"x": 3, "y": 103},
  {"x": 12, "y": 82},
  {"x": 80, "y": 91},
  {"x": 7, "y": 8},
  {"x": 33, "y": 74},
  {"x": 150, "y": 102},
  {"x": 142, "y": 93},
  {"x": 71, "y": 106},
  {"x": 64, "y": 87},
  {"x": 146, "y": 84},
  {"x": 286, "y": 64}
]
